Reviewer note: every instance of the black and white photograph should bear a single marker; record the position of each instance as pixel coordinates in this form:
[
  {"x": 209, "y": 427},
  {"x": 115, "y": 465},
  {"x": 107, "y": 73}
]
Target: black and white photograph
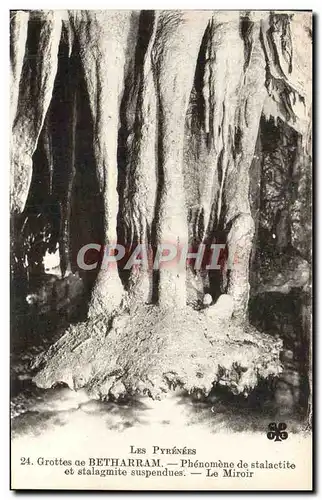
[{"x": 161, "y": 250}]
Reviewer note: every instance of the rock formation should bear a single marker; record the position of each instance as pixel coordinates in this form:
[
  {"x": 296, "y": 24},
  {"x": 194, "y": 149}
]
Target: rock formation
[{"x": 145, "y": 128}]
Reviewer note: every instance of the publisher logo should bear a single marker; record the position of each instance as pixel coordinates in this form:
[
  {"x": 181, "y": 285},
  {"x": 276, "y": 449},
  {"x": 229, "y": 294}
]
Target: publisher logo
[{"x": 277, "y": 432}]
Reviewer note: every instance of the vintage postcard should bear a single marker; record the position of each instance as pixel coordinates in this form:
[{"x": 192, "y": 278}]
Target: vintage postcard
[{"x": 161, "y": 247}]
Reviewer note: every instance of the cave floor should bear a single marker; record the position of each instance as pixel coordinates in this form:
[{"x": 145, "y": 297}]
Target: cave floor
[{"x": 37, "y": 412}]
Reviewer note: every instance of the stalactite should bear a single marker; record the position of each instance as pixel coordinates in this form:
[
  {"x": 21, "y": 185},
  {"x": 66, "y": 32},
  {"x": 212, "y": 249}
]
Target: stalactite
[
  {"x": 35, "y": 93},
  {"x": 46, "y": 140},
  {"x": 221, "y": 87},
  {"x": 18, "y": 39},
  {"x": 288, "y": 51},
  {"x": 66, "y": 204}
]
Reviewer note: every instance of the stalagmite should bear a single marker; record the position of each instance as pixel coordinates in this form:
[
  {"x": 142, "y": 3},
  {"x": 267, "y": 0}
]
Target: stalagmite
[
  {"x": 236, "y": 195},
  {"x": 176, "y": 49},
  {"x": 102, "y": 37},
  {"x": 35, "y": 93},
  {"x": 141, "y": 189}
]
